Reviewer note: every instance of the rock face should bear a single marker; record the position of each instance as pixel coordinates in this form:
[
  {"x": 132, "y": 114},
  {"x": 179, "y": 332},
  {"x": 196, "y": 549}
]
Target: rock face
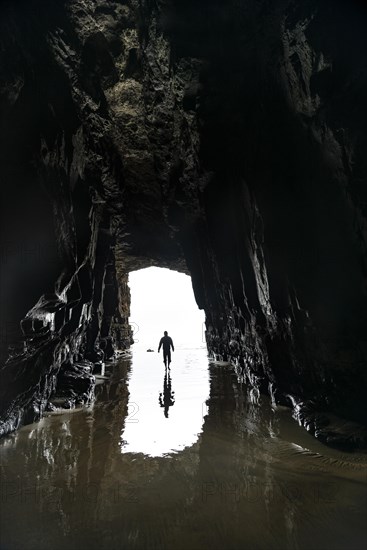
[{"x": 222, "y": 139}]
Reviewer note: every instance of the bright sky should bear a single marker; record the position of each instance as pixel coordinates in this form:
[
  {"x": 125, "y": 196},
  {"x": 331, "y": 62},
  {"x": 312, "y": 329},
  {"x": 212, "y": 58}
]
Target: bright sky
[{"x": 162, "y": 299}]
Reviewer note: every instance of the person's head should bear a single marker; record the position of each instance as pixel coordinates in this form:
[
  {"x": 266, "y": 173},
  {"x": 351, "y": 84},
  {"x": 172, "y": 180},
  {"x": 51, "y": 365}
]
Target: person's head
[{"x": 165, "y": 333}]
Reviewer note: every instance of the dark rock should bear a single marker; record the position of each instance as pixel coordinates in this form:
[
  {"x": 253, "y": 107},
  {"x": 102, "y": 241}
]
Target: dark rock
[
  {"x": 282, "y": 399},
  {"x": 98, "y": 368},
  {"x": 95, "y": 356},
  {"x": 107, "y": 346},
  {"x": 330, "y": 429},
  {"x": 50, "y": 407},
  {"x": 75, "y": 384}
]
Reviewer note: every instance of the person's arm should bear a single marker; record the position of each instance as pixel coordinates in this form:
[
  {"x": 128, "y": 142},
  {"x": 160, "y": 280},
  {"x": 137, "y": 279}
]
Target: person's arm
[
  {"x": 173, "y": 349},
  {"x": 160, "y": 345}
]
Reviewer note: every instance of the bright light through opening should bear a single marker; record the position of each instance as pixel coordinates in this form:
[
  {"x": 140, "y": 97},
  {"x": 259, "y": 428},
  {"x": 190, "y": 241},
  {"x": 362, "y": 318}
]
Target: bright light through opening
[
  {"x": 164, "y": 300},
  {"x": 166, "y": 406}
]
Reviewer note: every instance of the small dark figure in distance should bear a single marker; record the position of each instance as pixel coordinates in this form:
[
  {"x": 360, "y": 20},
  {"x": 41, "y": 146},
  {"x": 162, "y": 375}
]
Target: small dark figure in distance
[{"x": 166, "y": 342}]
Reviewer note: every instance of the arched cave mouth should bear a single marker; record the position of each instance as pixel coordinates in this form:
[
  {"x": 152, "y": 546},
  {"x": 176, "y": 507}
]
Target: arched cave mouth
[
  {"x": 165, "y": 406},
  {"x": 163, "y": 299}
]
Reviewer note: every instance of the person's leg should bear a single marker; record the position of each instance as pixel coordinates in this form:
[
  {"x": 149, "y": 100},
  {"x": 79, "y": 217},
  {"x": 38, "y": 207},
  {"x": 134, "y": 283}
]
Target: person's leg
[
  {"x": 169, "y": 356},
  {"x": 164, "y": 357}
]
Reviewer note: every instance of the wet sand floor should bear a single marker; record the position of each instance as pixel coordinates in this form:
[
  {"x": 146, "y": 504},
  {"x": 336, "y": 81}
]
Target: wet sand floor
[{"x": 203, "y": 467}]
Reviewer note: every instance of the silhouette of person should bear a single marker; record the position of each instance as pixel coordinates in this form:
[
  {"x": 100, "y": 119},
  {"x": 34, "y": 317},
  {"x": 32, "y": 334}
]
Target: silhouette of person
[
  {"x": 167, "y": 397},
  {"x": 166, "y": 342}
]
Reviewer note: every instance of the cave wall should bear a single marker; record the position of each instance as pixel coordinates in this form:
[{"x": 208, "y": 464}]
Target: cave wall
[{"x": 221, "y": 139}]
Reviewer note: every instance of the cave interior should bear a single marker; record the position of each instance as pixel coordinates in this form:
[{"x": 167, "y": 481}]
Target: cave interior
[{"x": 224, "y": 140}]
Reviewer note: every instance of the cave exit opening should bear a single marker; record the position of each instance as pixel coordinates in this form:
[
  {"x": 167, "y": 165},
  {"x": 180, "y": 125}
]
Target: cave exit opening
[
  {"x": 163, "y": 300},
  {"x": 166, "y": 407}
]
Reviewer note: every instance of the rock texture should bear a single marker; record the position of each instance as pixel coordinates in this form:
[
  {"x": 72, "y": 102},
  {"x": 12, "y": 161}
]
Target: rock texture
[{"x": 221, "y": 139}]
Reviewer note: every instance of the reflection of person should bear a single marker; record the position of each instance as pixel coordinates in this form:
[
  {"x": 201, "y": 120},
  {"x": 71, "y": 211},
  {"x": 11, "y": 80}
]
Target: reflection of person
[
  {"x": 166, "y": 342},
  {"x": 167, "y": 397}
]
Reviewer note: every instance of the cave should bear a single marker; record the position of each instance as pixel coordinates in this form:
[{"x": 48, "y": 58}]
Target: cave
[{"x": 222, "y": 140}]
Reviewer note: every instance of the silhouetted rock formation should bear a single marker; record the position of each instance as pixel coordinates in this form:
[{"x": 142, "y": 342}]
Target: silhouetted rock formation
[{"x": 222, "y": 139}]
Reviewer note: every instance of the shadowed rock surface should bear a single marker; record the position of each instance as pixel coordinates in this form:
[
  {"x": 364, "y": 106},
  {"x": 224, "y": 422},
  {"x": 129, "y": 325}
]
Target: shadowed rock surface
[{"x": 222, "y": 139}]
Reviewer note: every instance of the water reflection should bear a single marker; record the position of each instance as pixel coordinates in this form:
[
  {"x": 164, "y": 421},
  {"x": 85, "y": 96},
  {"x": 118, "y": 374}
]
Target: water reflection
[
  {"x": 167, "y": 397},
  {"x": 146, "y": 430},
  {"x": 251, "y": 478}
]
